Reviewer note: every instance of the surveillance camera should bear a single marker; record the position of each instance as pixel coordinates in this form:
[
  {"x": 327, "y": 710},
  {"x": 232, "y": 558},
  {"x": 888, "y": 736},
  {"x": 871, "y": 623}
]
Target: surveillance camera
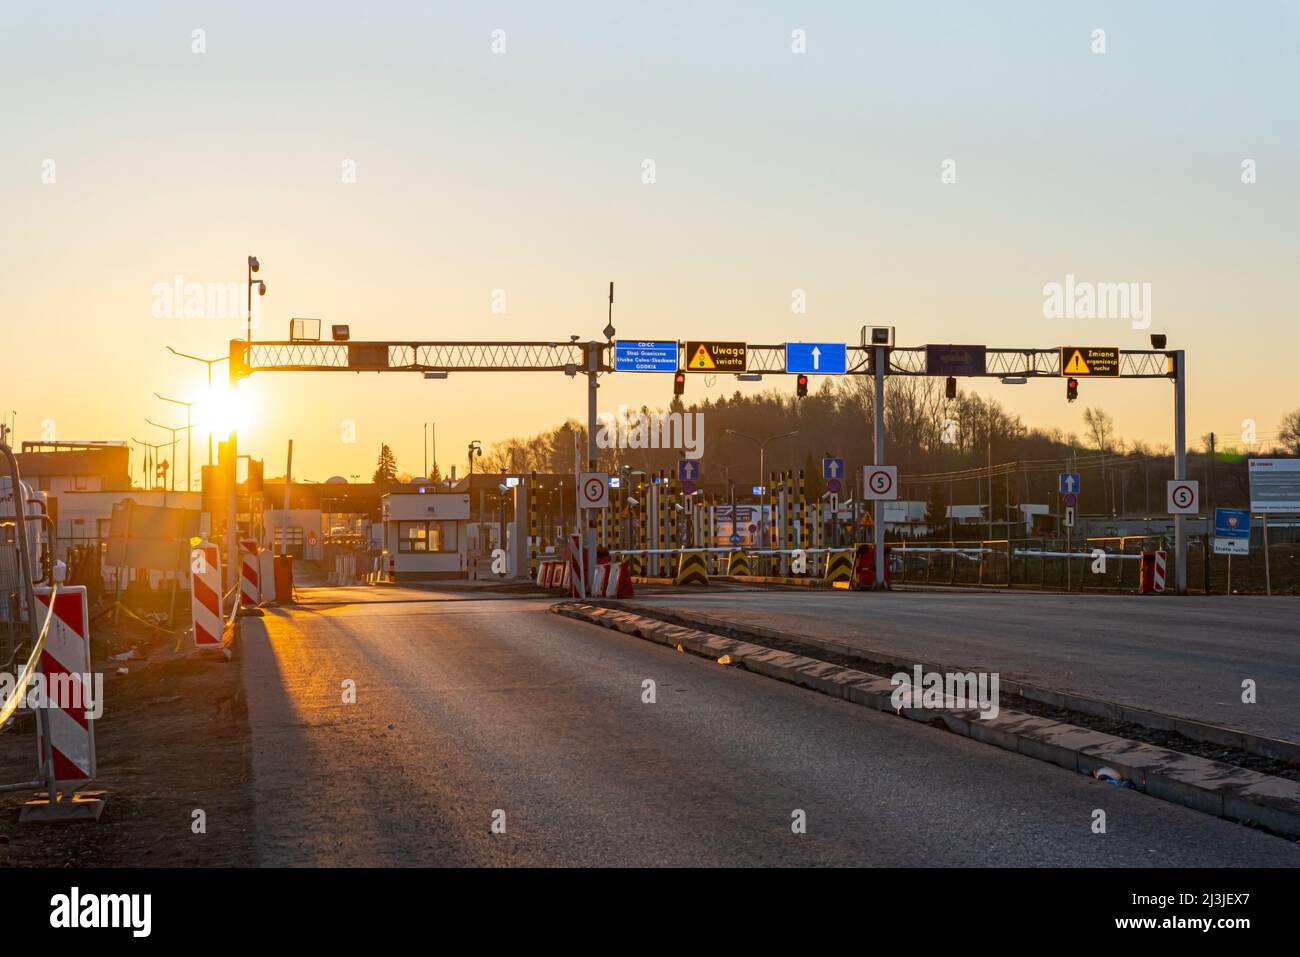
[
  {"x": 261, "y": 289},
  {"x": 253, "y": 264},
  {"x": 1158, "y": 340}
]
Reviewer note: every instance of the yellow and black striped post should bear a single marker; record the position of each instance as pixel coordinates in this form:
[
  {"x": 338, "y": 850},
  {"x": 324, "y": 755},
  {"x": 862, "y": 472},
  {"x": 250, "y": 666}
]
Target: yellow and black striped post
[
  {"x": 661, "y": 566},
  {"x": 773, "y": 535},
  {"x": 532, "y": 525},
  {"x": 691, "y": 569},
  {"x": 802, "y": 535},
  {"x": 639, "y": 564},
  {"x": 738, "y": 563},
  {"x": 839, "y": 565}
]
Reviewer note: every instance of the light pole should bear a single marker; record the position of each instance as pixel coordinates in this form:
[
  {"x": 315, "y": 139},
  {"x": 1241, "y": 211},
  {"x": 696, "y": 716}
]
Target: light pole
[
  {"x": 173, "y": 431},
  {"x": 189, "y": 464},
  {"x": 209, "y": 363},
  {"x": 153, "y": 473},
  {"x": 762, "y": 446},
  {"x": 475, "y": 448},
  {"x": 253, "y": 266}
]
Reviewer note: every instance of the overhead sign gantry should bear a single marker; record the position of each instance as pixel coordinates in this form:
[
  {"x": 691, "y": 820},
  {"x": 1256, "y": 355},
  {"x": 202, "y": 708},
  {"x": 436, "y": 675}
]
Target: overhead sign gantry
[{"x": 877, "y": 357}]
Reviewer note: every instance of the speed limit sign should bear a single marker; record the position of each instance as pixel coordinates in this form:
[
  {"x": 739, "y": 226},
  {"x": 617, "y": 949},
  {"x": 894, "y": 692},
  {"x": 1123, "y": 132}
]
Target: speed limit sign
[
  {"x": 593, "y": 490},
  {"x": 1184, "y": 497},
  {"x": 880, "y": 481}
]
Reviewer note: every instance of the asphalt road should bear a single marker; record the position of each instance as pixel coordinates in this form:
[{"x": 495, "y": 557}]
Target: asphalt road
[
  {"x": 1184, "y": 656},
  {"x": 478, "y": 704}
]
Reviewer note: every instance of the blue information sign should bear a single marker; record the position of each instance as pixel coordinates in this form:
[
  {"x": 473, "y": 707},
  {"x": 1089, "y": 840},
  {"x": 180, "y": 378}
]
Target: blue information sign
[
  {"x": 688, "y": 470},
  {"x": 632, "y": 356},
  {"x": 1069, "y": 483},
  {"x": 832, "y": 468},
  {"x": 1231, "y": 531},
  {"x": 816, "y": 358}
]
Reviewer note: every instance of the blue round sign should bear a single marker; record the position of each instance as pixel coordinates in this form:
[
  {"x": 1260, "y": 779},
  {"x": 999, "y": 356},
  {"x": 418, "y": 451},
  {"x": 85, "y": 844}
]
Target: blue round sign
[{"x": 735, "y": 539}]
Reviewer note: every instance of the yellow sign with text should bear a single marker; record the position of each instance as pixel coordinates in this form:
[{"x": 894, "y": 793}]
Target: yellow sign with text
[{"x": 716, "y": 356}]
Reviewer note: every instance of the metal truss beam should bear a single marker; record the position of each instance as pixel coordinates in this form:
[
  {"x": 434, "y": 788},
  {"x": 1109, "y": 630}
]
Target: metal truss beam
[{"x": 571, "y": 357}]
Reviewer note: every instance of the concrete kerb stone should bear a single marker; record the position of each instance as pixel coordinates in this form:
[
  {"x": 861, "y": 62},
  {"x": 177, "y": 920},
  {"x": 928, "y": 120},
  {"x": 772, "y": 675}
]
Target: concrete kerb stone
[
  {"x": 1273, "y": 748},
  {"x": 1212, "y": 787}
]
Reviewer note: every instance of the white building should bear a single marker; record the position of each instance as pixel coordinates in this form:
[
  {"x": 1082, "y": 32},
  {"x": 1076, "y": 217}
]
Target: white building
[{"x": 425, "y": 535}]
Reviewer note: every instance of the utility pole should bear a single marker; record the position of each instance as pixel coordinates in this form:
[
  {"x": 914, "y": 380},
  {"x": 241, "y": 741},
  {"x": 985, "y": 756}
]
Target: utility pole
[
  {"x": 881, "y": 361},
  {"x": 1180, "y": 464},
  {"x": 1209, "y": 487}
]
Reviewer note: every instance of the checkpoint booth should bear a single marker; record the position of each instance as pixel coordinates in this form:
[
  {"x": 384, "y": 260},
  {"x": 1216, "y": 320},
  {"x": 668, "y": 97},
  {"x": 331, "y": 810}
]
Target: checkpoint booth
[{"x": 425, "y": 535}]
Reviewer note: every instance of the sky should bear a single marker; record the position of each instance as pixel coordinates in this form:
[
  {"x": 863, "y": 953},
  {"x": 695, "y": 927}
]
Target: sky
[{"x": 395, "y": 165}]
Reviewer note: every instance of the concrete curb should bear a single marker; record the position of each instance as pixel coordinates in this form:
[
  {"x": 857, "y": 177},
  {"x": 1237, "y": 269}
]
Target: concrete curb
[
  {"x": 1199, "y": 783},
  {"x": 1277, "y": 749}
]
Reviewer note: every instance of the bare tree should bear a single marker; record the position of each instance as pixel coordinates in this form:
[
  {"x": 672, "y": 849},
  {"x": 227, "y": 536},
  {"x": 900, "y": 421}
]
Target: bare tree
[
  {"x": 1100, "y": 426},
  {"x": 1289, "y": 432}
]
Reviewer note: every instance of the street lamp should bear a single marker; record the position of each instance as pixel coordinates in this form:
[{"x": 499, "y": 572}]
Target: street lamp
[
  {"x": 253, "y": 266},
  {"x": 173, "y": 431},
  {"x": 189, "y": 464},
  {"x": 209, "y": 363},
  {"x": 762, "y": 446},
  {"x": 475, "y": 449}
]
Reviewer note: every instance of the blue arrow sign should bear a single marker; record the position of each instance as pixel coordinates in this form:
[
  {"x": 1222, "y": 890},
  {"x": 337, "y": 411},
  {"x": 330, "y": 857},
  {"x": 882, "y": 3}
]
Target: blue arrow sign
[
  {"x": 688, "y": 470},
  {"x": 1069, "y": 483},
  {"x": 832, "y": 468},
  {"x": 632, "y": 356},
  {"x": 816, "y": 358}
]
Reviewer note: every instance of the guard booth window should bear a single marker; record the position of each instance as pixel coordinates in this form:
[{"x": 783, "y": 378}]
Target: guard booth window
[
  {"x": 295, "y": 541},
  {"x": 422, "y": 537},
  {"x": 412, "y": 537}
]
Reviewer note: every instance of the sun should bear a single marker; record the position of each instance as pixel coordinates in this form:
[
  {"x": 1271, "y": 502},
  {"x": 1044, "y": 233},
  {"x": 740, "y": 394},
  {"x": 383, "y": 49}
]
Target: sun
[{"x": 226, "y": 409}]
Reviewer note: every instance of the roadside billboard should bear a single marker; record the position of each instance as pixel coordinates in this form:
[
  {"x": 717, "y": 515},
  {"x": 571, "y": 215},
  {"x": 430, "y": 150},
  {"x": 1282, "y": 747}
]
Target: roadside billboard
[{"x": 1274, "y": 485}]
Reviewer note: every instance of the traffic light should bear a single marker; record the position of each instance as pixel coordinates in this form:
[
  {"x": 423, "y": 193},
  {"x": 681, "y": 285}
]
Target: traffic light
[
  {"x": 801, "y": 386},
  {"x": 950, "y": 388},
  {"x": 679, "y": 383},
  {"x": 1072, "y": 389}
]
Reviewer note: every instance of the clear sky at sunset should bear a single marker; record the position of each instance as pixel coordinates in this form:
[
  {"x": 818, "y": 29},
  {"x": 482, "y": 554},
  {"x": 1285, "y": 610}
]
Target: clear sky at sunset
[{"x": 129, "y": 159}]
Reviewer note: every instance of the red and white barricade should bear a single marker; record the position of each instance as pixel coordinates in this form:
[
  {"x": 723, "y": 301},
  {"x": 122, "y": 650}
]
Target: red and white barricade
[
  {"x": 618, "y": 584},
  {"x": 599, "y": 581},
  {"x": 250, "y": 571},
  {"x": 69, "y": 690},
  {"x": 1158, "y": 581},
  {"x": 205, "y": 595}
]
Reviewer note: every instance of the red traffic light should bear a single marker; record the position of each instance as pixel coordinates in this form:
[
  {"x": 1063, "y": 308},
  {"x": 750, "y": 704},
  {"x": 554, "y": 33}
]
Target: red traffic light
[
  {"x": 1071, "y": 389},
  {"x": 679, "y": 383},
  {"x": 801, "y": 386}
]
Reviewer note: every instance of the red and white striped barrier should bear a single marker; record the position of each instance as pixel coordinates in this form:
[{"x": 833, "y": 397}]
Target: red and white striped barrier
[
  {"x": 618, "y": 584},
  {"x": 250, "y": 588},
  {"x": 576, "y": 577},
  {"x": 1158, "y": 582},
  {"x": 69, "y": 690},
  {"x": 266, "y": 573},
  {"x": 205, "y": 595}
]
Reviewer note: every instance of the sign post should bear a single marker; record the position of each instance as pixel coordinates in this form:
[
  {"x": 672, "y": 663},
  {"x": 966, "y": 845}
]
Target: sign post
[{"x": 1274, "y": 488}]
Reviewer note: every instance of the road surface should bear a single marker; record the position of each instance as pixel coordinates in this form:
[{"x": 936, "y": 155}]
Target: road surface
[
  {"x": 468, "y": 705},
  {"x": 1183, "y": 656}
]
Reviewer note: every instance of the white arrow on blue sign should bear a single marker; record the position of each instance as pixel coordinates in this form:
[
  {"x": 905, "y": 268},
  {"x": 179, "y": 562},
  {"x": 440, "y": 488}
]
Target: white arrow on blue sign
[
  {"x": 1069, "y": 482},
  {"x": 832, "y": 468},
  {"x": 816, "y": 358},
  {"x": 688, "y": 470}
]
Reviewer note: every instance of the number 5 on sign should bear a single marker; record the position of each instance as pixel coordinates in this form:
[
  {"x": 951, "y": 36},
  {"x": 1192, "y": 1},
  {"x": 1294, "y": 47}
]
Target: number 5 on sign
[
  {"x": 1184, "y": 497},
  {"x": 880, "y": 481}
]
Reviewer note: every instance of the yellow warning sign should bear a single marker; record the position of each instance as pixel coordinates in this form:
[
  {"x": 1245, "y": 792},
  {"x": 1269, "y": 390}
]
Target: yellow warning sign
[
  {"x": 716, "y": 356},
  {"x": 702, "y": 359},
  {"x": 1090, "y": 361}
]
